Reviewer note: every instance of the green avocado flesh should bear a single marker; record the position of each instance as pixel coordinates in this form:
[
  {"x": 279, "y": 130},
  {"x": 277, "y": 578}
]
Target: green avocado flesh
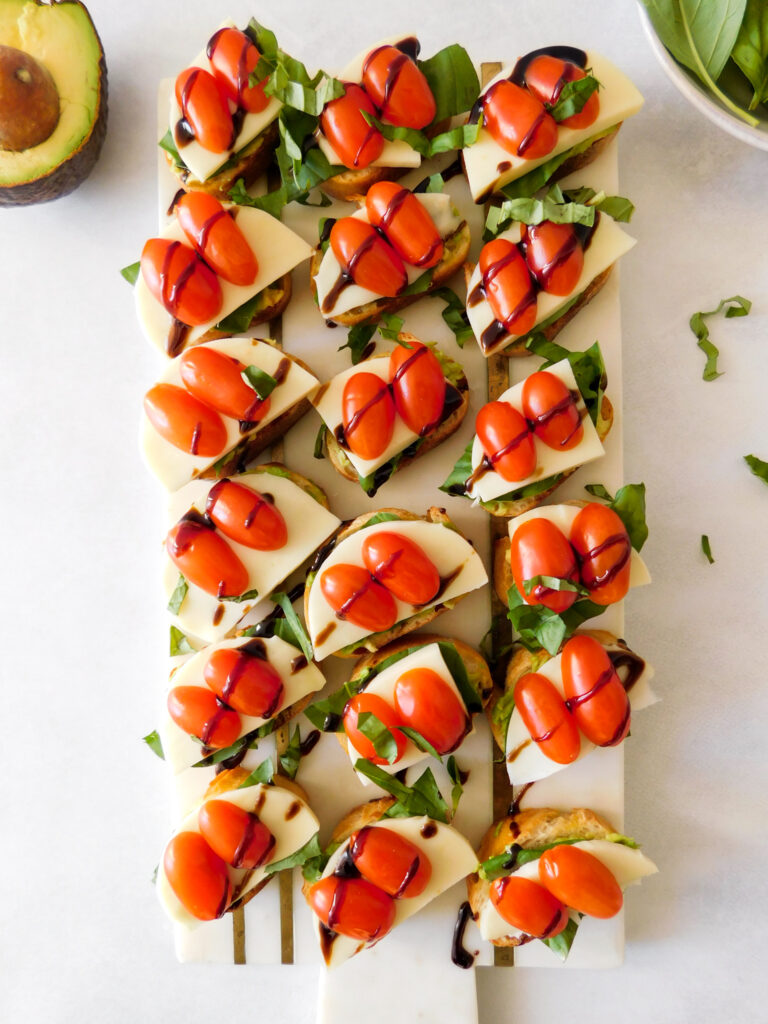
[{"x": 63, "y": 40}]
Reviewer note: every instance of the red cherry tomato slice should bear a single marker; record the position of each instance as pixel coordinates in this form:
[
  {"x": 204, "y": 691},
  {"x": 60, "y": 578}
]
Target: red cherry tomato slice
[
  {"x": 236, "y": 835},
  {"x": 398, "y": 87},
  {"x": 185, "y": 286},
  {"x": 508, "y": 286},
  {"x": 214, "y": 233},
  {"x": 538, "y": 548},
  {"x": 604, "y": 551},
  {"x": 216, "y": 378},
  {"x": 554, "y": 255},
  {"x": 354, "y": 595},
  {"x": 401, "y": 566},
  {"x": 204, "y": 110},
  {"x": 197, "y": 875},
  {"x": 518, "y": 121},
  {"x": 245, "y": 516},
  {"x": 197, "y": 711},
  {"x": 418, "y": 386},
  {"x": 353, "y": 907},
  {"x": 546, "y": 717},
  {"x": 357, "y": 143},
  {"x": 551, "y": 408},
  {"x": 364, "y": 256},
  {"x": 244, "y": 681},
  {"x": 409, "y": 228},
  {"x": 390, "y": 861},
  {"x": 506, "y": 440},
  {"x": 528, "y": 906},
  {"x": 234, "y": 57},
  {"x": 205, "y": 558},
  {"x": 184, "y": 421},
  {"x": 369, "y": 702},
  {"x": 545, "y": 77},
  {"x": 594, "y": 692},
  {"x": 368, "y": 414},
  {"x": 426, "y": 703},
  {"x": 581, "y": 881}
]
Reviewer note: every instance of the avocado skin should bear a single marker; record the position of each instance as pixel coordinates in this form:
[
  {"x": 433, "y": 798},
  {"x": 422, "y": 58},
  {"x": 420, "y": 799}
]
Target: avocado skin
[{"x": 76, "y": 166}]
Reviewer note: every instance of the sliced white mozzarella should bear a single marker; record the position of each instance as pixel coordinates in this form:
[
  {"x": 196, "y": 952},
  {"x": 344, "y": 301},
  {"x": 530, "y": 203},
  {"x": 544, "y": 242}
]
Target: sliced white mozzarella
[
  {"x": 277, "y": 250},
  {"x": 202, "y": 162},
  {"x": 286, "y": 815},
  {"x": 525, "y": 760},
  {"x": 174, "y": 467},
  {"x": 453, "y": 556},
  {"x": 608, "y": 244},
  {"x": 383, "y": 685},
  {"x": 308, "y": 524},
  {"x": 446, "y": 219},
  {"x": 489, "y": 166},
  {"x": 628, "y": 866},
  {"x": 549, "y": 461},
  {"x": 298, "y": 677},
  {"x": 451, "y": 858},
  {"x": 562, "y": 516}
]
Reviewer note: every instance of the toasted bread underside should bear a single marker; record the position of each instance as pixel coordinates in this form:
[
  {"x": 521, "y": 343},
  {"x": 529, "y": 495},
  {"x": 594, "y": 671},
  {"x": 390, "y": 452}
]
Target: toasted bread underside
[
  {"x": 272, "y": 300},
  {"x": 352, "y": 185},
  {"x": 251, "y": 163}
]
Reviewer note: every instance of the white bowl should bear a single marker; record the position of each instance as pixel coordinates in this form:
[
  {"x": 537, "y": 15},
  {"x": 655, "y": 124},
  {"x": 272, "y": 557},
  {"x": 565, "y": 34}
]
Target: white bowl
[{"x": 695, "y": 92}]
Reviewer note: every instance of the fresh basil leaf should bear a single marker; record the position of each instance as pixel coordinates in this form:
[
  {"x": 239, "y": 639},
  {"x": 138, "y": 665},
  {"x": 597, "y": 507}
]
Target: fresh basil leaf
[
  {"x": 264, "y": 40},
  {"x": 455, "y": 315},
  {"x": 456, "y": 480},
  {"x": 736, "y": 305},
  {"x": 421, "y": 284},
  {"x": 553, "y": 583},
  {"x": 291, "y": 756},
  {"x": 599, "y": 491},
  {"x": 452, "y": 78},
  {"x": 588, "y": 369},
  {"x": 750, "y": 51},
  {"x": 502, "y": 712},
  {"x": 530, "y": 183},
  {"x": 153, "y": 741},
  {"x": 263, "y": 383},
  {"x": 178, "y": 595},
  {"x": 422, "y": 798},
  {"x": 618, "y": 208},
  {"x": 390, "y": 326},
  {"x": 371, "y": 483},
  {"x": 263, "y": 774},
  {"x": 380, "y": 517},
  {"x": 420, "y": 741},
  {"x": 455, "y": 775},
  {"x": 455, "y": 665},
  {"x": 435, "y": 183},
  {"x": 417, "y": 140},
  {"x": 700, "y": 36},
  {"x": 291, "y": 84},
  {"x": 375, "y": 730},
  {"x": 284, "y": 600},
  {"x": 239, "y": 319},
  {"x": 629, "y": 506},
  {"x": 168, "y": 144},
  {"x": 497, "y": 866},
  {"x": 528, "y": 210},
  {"x": 326, "y": 714},
  {"x": 529, "y": 491},
  {"x": 315, "y": 866},
  {"x": 538, "y": 626},
  {"x": 309, "y": 851},
  {"x": 758, "y": 467},
  {"x": 357, "y": 341},
  {"x": 706, "y": 548},
  {"x": 460, "y": 137},
  {"x": 249, "y": 595},
  {"x": 573, "y": 96},
  {"x": 250, "y": 741},
  {"x": 283, "y": 630},
  {"x": 271, "y": 203},
  {"x": 561, "y": 943},
  {"x": 179, "y": 644},
  {"x": 319, "y": 449},
  {"x": 131, "y": 272}
]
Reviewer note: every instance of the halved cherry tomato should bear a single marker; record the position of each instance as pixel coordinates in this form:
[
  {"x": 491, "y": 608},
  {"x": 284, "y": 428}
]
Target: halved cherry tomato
[
  {"x": 368, "y": 414},
  {"x": 604, "y": 551},
  {"x": 390, "y": 861},
  {"x": 353, "y": 907},
  {"x": 205, "y": 558},
  {"x": 214, "y": 233},
  {"x": 377, "y": 706},
  {"x": 409, "y": 228},
  {"x": 554, "y": 255},
  {"x": 426, "y": 703},
  {"x": 546, "y": 75},
  {"x": 184, "y": 421},
  {"x": 551, "y": 407},
  {"x": 546, "y": 717},
  {"x": 244, "y": 681},
  {"x": 199, "y": 713},
  {"x": 418, "y": 386},
  {"x": 594, "y": 692},
  {"x": 216, "y": 378},
  {"x": 234, "y": 57},
  {"x": 364, "y": 255},
  {"x": 581, "y": 881},
  {"x": 204, "y": 108},
  {"x": 357, "y": 143},
  {"x": 180, "y": 281},
  {"x": 398, "y": 87},
  {"x": 508, "y": 285},
  {"x": 518, "y": 121},
  {"x": 538, "y": 548},
  {"x": 245, "y": 516},
  {"x": 528, "y": 906},
  {"x": 354, "y": 595},
  {"x": 197, "y": 875},
  {"x": 401, "y": 566},
  {"x": 236, "y": 835},
  {"x": 506, "y": 440}
]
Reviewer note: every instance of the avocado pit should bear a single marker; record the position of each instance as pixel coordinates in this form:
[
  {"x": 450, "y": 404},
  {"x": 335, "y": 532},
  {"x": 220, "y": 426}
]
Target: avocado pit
[{"x": 29, "y": 101}]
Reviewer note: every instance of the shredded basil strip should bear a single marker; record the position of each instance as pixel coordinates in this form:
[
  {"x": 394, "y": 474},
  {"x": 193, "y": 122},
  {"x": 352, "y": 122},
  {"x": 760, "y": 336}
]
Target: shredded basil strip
[
  {"x": 239, "y": 319},
  {"x": 554, "y": 583},
  {"x": 178, "y": 595},
  {"x": 250, "y": 741},
  {"x": 375, "y": 730},
  {"x": 629, "y": 506},
  {"x": 538, "y": 626},
  {"x": 530, "y": 183},
  {"x": 153, "y": 741},
  {"x": 736, "y": 305},
  {"x": 423, "y": 797},
  {"x": 420, "y": 741},
  {"x": 291, "y": 756},
  {"x": 452, "y": 79},
  {"x": 319, "y": 449},
  {"x": 263, "y": 383},
  {"x": 131, "y": 272},
  {"x": 561, "y": 943},
  {"x": 573, "y": 97},
  {"x": 457, "y": 788},
  {"x": 455, "y": 315},
  {"x": 309, "y": 851},
  {"x": 283, "y": 599},
  {"x": 179, "y": 644},
  {"x": 758, "y": 467},
  {"x": 706, "y": 548},
  {"x": 357, "y": 341},
  {"x": 262, "y": 774}
]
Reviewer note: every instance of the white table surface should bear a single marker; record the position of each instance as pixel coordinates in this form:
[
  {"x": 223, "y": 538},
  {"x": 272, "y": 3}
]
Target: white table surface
[{"x": 83, "y": 809}]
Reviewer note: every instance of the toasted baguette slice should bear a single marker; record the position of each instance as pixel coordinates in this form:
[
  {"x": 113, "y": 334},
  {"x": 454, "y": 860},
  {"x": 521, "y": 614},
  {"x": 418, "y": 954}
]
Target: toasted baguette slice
[
  {"x": 249, "y": 164},
  {"x": 352, "y": 185},
  {"x": 271, "y": 303},
  {"x": 456, "y": 248}
]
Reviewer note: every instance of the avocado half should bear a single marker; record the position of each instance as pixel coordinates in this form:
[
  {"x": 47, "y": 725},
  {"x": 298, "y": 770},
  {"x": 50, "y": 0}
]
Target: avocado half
[{"x": 49, "y": 54}]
